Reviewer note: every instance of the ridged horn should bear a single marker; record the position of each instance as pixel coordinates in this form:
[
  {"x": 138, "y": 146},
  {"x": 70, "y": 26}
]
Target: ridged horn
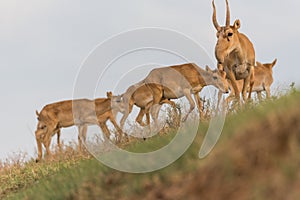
[
  {"x": 214, "y": 17},
  {"x": 227, "y": 14}
]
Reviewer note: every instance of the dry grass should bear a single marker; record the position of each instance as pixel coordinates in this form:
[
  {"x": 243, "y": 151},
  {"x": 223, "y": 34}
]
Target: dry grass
[
  {"x": 16, "y": 173},
  {"x": 257, "y": 160}
]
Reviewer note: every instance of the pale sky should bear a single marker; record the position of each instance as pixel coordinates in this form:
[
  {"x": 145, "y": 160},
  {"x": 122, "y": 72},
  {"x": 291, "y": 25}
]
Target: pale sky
[{"x": 44, "y": 43}]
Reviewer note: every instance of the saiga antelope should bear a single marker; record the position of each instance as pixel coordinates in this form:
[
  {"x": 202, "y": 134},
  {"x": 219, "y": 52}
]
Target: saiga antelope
[
  {"x": 234, "y": 52},
  {"x": 79, "y": 112},
  {"x": 263, "y": 79}
]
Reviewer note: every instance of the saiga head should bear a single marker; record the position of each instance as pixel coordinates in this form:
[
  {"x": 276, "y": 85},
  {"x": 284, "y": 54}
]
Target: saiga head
[
  {"x": 228, "y": 36},
  {"x": 117, "y": 103},
  {"x": 41, "y": 131},
  {"x": 218, "y": 79}
]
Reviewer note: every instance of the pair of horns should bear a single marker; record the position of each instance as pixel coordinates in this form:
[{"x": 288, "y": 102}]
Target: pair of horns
[{"x": 214, "y": 18}]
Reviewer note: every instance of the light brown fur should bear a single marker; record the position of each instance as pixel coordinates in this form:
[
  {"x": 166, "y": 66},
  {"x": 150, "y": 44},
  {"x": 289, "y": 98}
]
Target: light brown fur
[
  {"x": 183, "y": 80},
  {"x": 80, "y": 112},
  {"x": 141, "y": 96},
  {"x": 263, "y": 79},
  {"x": 234, "y": 53}
]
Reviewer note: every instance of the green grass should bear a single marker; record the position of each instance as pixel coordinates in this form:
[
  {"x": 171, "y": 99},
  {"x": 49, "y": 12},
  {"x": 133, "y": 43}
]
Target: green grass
[
  {"x": 88, "y": 178},
  {"x": 63, "y": 179}
]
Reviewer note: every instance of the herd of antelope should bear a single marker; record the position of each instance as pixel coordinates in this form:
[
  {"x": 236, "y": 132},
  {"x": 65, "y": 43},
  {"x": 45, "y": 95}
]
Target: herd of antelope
[{"x": 236, "y": 72}]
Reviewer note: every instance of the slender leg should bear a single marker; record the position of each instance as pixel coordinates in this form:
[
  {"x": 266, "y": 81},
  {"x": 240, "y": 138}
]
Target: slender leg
[
  {"x": 139, "y": 118},
  {"x": 234, "y": 85},
  {"x": 47, "y": 142},
  {"x": 268, "y": 92},
  {"x": 154, "y": 111},
  {"x": 251, "y": 81},
  {"x": 127, "y": 111},
  {"x": 245, "y": 88},
  {"x": 148, "y": 118},
  {"x": 124, "y": 117},
  {"x": 79, "y": 137},
  {"x": 82, "y": 129},
  {"x": 40, "y": 150},
  {"x": 48, "y": 137},
  {"x": 105, "y": 131},
  {"x": 119, "y": 130},
  {"x": 58, "y": 138},
  {"x": 220, "y": 94},
  {"x": 147, "y": 110},
  {"x": 187, "y": 94},
  {"x": 157, "y": 93},
  {"x": 199, "y": 105},
  {"x": 250, "y": 90}
]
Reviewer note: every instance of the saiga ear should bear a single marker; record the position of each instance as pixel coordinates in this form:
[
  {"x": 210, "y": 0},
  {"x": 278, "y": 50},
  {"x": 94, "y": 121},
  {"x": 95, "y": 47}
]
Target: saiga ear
[
  {"x": 237, "y": 24},
  {"x": 109, "y": 95},
  {"x": 207, "y": 68},
  {"x": 258, "y": 63},
  {"x": 274, "y": 62}
]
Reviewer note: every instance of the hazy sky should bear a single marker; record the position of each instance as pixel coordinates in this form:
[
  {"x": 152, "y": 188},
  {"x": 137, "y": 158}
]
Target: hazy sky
[{"x": 43, "y": 44}]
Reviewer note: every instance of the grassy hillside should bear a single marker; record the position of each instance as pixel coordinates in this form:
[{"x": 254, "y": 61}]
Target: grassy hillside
[{"x": 257, "y": 157}]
